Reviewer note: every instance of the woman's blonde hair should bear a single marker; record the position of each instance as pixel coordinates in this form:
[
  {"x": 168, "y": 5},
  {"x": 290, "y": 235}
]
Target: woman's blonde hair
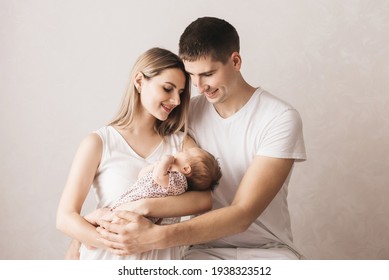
[{"x": 152, "y": 63}]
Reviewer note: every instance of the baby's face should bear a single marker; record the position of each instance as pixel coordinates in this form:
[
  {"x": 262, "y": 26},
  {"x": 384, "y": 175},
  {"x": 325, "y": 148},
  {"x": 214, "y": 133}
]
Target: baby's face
[{"x": 181, "y": 159}]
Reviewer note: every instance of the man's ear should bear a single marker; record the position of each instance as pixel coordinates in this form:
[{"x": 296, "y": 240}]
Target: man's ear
[
  {"x": 236, "y": 60},
  {"x": 186, "y": 169},
  {"x": 138, "y": 80}
]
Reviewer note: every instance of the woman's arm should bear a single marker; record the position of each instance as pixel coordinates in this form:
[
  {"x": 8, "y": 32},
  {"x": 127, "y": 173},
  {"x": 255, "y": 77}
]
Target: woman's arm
[
  {"x": 80, "y": 179},
  {"x": 73, "y": 251}
]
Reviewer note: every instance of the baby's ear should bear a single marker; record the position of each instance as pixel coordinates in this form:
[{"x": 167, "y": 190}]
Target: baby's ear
[{"x": 186, "y": 169}]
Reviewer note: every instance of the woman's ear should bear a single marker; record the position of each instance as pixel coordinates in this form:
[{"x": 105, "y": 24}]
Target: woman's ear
[{"x": 138, "y": 80}]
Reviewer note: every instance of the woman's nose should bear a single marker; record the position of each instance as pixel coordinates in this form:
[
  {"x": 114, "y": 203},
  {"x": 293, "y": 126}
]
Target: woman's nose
[{"x": 175, "y": 99}]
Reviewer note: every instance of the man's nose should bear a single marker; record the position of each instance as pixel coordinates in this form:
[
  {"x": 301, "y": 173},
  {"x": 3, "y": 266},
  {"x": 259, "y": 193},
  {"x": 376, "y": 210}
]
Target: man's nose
[{"x": 197, "y": 82}]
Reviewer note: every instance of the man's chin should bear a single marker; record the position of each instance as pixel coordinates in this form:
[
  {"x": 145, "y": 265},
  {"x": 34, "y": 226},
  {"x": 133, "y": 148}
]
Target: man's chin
[{"x": 212, "y": 96}]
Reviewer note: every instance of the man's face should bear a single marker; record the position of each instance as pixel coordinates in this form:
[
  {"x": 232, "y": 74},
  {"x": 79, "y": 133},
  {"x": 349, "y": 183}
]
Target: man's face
[{"x": 212, "y": 78}]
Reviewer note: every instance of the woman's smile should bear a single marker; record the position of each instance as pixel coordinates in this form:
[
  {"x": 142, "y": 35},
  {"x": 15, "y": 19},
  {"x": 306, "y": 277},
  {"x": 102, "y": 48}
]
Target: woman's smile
[{"x": 168, "y": 108}]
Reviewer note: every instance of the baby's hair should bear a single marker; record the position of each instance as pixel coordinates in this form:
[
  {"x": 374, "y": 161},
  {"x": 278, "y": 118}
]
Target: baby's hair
[{"x": 205, "y": 170}]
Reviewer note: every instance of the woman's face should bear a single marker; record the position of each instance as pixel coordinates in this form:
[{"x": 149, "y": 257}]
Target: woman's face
[{"x": 161, "y": 94}]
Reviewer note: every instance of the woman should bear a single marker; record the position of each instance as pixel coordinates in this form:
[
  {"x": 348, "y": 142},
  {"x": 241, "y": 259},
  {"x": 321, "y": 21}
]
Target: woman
[{"x": 149, "y": 125}]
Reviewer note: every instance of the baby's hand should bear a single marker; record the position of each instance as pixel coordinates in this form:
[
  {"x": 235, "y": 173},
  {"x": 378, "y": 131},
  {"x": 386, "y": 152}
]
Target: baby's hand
[{"x": 98, "y": 214}]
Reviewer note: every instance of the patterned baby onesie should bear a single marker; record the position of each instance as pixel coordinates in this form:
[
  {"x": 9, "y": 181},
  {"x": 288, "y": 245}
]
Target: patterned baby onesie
[{"x": 146, "y": 187}]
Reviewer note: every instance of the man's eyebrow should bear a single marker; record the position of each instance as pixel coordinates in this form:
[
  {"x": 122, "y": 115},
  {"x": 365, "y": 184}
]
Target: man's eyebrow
[{"x": 203, "y": 73}]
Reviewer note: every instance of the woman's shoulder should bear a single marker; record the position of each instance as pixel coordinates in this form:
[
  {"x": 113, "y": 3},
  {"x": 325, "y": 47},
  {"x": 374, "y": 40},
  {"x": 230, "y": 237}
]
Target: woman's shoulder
[
  {"x": 107, "y": 133},
  {"x": 104, "y": 130},
  {"x": 91, "y": 144}
]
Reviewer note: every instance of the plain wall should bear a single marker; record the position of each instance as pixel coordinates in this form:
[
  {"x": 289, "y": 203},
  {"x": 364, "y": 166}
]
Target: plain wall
[{"x": 63, "y": 70}]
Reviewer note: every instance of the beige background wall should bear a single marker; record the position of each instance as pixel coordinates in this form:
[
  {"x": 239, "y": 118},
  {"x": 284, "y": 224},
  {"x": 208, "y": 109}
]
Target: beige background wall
[{"x": 64, "y": 66}]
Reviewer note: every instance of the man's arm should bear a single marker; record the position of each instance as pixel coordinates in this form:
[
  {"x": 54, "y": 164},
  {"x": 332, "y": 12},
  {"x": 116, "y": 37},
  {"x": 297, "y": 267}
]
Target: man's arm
[
  {"x": 262, "y": 181},
  {"x": 188, "y": 203}
]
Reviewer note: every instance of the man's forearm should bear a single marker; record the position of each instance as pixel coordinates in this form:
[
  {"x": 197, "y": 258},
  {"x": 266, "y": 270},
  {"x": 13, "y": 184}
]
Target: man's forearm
[
  {"x": 204, "y": 228},
  {"x": 137, "y": 234}
]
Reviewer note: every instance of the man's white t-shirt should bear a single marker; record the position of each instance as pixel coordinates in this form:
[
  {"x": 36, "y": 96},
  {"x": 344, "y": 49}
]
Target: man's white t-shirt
[{"x": 264, "y": 126}]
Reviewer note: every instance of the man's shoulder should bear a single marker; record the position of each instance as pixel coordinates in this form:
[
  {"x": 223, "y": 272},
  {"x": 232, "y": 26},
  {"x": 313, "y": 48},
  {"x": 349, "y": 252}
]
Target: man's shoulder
[
  {"x": 266, "y": 98},
  {"x": 271, "y": 105}
]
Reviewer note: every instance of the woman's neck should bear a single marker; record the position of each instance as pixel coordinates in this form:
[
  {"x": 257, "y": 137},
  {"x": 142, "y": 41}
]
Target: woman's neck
[
  {"x": 141, "y": 136},
  {"x": 143, "y": 126}
]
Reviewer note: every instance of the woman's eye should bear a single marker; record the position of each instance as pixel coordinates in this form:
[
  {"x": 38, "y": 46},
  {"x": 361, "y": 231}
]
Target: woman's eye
[{"x": 167, "y": 89}]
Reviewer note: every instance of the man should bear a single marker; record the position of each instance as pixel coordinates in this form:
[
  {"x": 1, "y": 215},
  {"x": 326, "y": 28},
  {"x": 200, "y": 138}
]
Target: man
[{"x": 256, "y": 137}]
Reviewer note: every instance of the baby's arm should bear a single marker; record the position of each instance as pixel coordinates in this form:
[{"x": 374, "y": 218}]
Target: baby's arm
[{"x": 161, "y": 168}]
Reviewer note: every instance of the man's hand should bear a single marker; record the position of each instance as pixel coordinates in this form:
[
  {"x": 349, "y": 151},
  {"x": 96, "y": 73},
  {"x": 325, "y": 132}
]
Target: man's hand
[{"x": 129, "y": 234}]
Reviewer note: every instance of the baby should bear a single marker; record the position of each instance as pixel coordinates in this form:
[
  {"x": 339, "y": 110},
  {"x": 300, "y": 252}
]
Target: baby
[{"x": 192, "y": 169}]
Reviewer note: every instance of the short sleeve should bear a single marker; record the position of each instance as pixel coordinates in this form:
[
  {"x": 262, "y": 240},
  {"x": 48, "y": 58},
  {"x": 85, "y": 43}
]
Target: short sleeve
[
  {"x": 177, "y": 183},
  {"x": 283, "y": 137}
]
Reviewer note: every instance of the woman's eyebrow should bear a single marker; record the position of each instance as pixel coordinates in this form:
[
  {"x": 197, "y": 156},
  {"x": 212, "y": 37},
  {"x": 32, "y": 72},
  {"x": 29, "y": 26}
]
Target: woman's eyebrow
[{"x": 172, "y": 84}]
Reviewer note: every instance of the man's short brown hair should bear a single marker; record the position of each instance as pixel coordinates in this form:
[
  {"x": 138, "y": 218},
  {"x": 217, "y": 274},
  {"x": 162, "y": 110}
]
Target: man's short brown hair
[{"x": 208, "y": 36}]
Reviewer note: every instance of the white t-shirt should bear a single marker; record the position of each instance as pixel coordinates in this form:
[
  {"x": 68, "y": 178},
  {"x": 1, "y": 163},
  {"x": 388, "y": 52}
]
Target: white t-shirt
[{"x": 265, "y": 126}]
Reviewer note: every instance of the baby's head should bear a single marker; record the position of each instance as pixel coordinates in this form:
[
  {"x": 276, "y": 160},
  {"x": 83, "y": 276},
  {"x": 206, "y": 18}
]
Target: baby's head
[{"x": 204, "y": 172}]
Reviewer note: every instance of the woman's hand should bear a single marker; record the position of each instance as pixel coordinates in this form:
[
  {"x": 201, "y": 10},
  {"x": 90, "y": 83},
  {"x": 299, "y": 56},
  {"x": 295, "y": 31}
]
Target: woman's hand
[{"x": 99, "y": 214}]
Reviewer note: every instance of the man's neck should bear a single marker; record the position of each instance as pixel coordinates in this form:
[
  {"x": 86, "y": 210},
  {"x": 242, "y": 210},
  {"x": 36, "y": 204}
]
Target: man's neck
[{"x": 235, "y": 101}]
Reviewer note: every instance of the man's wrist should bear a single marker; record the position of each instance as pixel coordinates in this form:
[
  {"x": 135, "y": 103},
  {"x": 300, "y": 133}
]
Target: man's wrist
[{"x": 170, "y": 236}]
